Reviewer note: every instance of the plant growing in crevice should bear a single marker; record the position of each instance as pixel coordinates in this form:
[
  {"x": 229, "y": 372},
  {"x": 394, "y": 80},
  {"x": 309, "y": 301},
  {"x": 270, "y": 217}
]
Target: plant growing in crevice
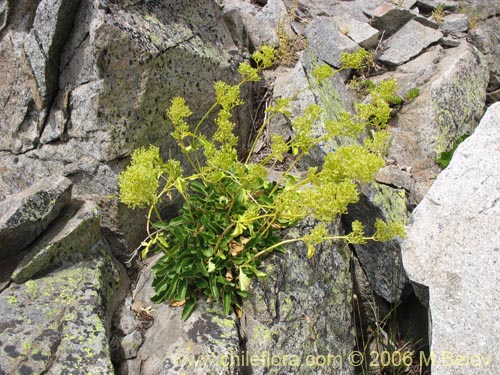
[
  {"x": 438, "y": 14},
  {"x": 288, "y": 45},
  {"x": 232, "y": 214},
  {"x": 385, "y": 349},
  {"x": 444, "y": 158}
]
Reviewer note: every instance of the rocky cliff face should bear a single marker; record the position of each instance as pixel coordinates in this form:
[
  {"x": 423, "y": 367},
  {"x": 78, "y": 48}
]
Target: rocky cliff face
[{"x": 86, "y": 82}]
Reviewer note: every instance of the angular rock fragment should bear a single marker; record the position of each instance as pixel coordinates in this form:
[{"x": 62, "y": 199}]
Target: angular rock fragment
[
  {"x": 389, "y": 18},
  {"x": 429, "y": 5},
  {"x": 408, "y": 42},
  {"x": 77, "y": 228},
  {"x": 455, "y": 23},
  {"x": 381, "y": 261},
  {"x": 327, "y": 41},
  {"x": 25, "y": 215},
  {"x": 361, "y": 32},
  {"x": 172, "y": 346},
  {"x": 452, "y": 85},
  {"x": 301, "y": 310}
]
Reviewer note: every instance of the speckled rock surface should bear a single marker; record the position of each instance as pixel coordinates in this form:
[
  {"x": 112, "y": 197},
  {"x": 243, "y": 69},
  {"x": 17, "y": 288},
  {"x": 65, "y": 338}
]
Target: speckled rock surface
[
  {"x": 301, "y": 311},
  {"x": 84, "y": 83},
  {"x": 25, "y": 215},
  {"x": 77, "y": 228},
  {"x": 207, "y": 343},
  {"x": 327, "y": 41},
  {"x": 389, "y": 18},
  {"x": 486, "y": 37},
  {"x": 408, "y": 42},
  {"x": 58, "y": 323},
  {"x": 452, "y": 98},
  {"x": 453, "y": 249}
]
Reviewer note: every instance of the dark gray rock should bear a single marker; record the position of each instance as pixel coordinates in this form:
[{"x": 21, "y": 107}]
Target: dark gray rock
[
  {"x": 79, "y": 111},
  {"x": 4, "y": 13},
  {"x": 301, "y": 312},
  {"x": 389, "y": 18},
  {"x": 450, "y": 41},
  {"x": 453, "y": 249},
  {"x": 482, "y": 9},
  {"x": 381, "y": 261},
  {"x": 394, "y": 176},
  {"x": 408, "y": 42},
  {"x": 25, "y": 215},
  {"x": 43, "y": 45},
  {"x": 59, "y": 323},
  {"x": 247, "y": 29},
  {"x": 130, "y": 344},
  {"x": 429, "y": 5}
]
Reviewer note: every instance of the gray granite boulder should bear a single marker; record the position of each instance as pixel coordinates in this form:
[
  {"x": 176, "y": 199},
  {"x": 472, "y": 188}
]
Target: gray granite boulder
[
  {"x": 486, "y": 37},
  {"x": 455, "y": 23},
  {"x": 452, "y": 250},
  {"x": 25, "y": 215},
  {"x": 360, "y": 32}
]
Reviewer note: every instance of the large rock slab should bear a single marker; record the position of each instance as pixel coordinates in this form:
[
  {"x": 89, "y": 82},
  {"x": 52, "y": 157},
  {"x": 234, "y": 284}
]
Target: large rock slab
[
  {"x": 25, "y": 215},
  {"x": 300, "y": 314},
  {"x": 453, "y": 249},
  {"x": 86, "y": 82},
  {"x": 486, "y": 37},
  {"x": 59, "y": 323},
  {"x": 360, "y": 32},
  {"x": 408, "y": 42}
]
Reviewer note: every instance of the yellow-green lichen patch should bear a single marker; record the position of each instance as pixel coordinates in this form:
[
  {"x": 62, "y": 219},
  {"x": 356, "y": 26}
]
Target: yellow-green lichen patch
[
  {"x": 12, "y": 300},
  {"x": 392, "y": 202},
  {"x": 62, "y": 313},
  {"x": 31, "y": 289}
]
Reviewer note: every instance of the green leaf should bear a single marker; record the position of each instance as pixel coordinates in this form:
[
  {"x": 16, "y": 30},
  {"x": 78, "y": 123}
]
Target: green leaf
[
  {"x": 198, "y": 187},
  {"x": 212, "y": 281},
  {"x": 243, "y": 280},
  {"x": 227, "y": 302},
  {"x": 258, "y": 273},
  {"x": 182, "y": 289},
  {"x": 207, "y": 252},
  {"x": 188, "y": 309}
]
